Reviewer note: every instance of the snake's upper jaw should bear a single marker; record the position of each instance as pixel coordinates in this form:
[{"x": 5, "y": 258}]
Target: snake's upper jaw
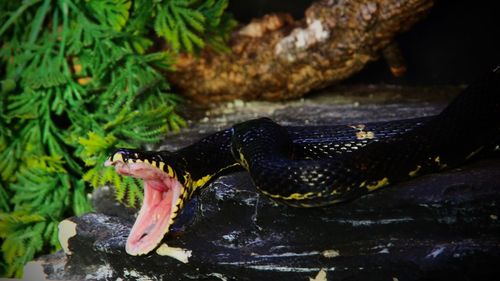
[{"x": 162, "y": 200}]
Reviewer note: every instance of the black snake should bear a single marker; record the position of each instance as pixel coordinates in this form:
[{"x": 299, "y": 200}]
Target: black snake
[{"x": 312, "y": 166}]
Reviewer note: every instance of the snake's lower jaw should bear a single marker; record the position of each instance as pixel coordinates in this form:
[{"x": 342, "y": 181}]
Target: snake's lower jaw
[
  {"x": 155, "y": 217},
  {"x": 159, "y": 208}
]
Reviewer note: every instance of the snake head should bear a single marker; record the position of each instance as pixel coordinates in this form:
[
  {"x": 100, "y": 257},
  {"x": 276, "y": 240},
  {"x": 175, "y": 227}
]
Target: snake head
[{"x": 164, "y": 195}]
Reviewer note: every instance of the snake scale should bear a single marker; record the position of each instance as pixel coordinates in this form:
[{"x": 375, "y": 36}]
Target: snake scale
[{"x": 311, "y": 166}]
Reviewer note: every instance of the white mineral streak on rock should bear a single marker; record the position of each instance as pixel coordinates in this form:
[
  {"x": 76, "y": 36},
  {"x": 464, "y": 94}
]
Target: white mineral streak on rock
[
  {"x": 67, "y": 229},
  {"x": 321, "y": 276},
  {"x": 287, "y": 254},
  {"x": 218, "y": 275},
  {"x": 138, "y": 276},
  {"x": 436, "y": 252},
  {"x": 326, "y": 253},
  {"x": 179, "y": 254},
  {"x": 274, "y": 267},
  {"x": 230, "y": 237},
  {"x": 357, "y": 223},
  {"x": 383, "y": 251},
  {"x": 103, "y": 272},
  {"x": 302, "y": 38}
]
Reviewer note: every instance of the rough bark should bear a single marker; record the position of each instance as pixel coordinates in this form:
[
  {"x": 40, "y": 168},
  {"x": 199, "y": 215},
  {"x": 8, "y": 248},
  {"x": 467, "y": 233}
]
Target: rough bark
[{"x": 277, "y": 58}]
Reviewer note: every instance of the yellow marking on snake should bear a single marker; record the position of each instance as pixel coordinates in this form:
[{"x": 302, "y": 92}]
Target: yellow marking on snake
[
  {"x": 195, "y": 184},
  {"x": 334, "y": 192},
  {"x": 378, "y": 184},
  {"x": 293, "y": 196},
  {"x": 117, "y": 157},
  {"x": 243, "y": 161},
  {"x": 414, "y": 172},
  {"x": 473, "y": 153},
  {"x": 184, "y": 196},
  {"x": 361, "y": 134},
  {"x": 304, "y": 205},
  {"x": 178, "y": 204},
  {"x": 153, "y": 163},
  {"x": 187, "y": 178},
  {"x": 170, "y": 171},
  {"x": 438, "y": 162},
  {"x": 161, "y": 166},
  {"x": 202, "y": 181}
]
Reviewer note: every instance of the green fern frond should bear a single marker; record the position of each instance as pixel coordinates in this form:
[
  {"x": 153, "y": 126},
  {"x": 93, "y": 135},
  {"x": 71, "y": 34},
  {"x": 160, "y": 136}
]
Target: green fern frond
[
  {"x": 125, "y": 187},
  {"x": 92, "y": 176},
  {"x": 134, "y": 193},
  {"x": 80, "y": 202},
  {"x": 4, "y": 199},
  {"x": 51, "y": 234},
  {"x": 82, "y": 78},
  {"x": 120, "y": 190},
  {"x": 94, "y": 146},
  {"x": 22, "y": 236},
  {"x": 47, "y": 163},
  {"x": 17, "y": 220},
  {"x": 113, "y": 13},
  {"x": 183, "y": 23},
  {"x": 42, "y": 191},
  {"x": 9, "y": 158}
]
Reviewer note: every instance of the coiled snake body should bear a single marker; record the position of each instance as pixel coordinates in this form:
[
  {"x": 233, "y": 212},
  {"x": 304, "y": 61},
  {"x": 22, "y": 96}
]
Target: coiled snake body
[{"x": 312, "y": 166}]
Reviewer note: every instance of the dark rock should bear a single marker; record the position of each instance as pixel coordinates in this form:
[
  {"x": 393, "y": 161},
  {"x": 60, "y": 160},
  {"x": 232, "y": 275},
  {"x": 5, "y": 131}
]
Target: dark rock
[
  {"x": 441, "y": 226},
  {"x": 435, "y": 227},
  {"x": 104, "y": 201}
]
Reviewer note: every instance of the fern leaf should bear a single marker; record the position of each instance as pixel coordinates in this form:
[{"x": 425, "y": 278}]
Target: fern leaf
[
  {"x": 22, "y": 240},
  {"x": 134, "y": 192},
  {"x": 81, "y": 204},
  {"x": 4, "y": 199},
  {"x": 82, "y": 79},
  {"x": 113, "y": 13},
  {"x": 94, "y": 147},
  {"x": 92, "y": 176},
  {"x": 10, "y": 222}
]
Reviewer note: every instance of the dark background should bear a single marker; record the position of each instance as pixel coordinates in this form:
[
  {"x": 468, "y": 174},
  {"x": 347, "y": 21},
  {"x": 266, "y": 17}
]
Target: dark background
[{"x": 456, "y": 43}]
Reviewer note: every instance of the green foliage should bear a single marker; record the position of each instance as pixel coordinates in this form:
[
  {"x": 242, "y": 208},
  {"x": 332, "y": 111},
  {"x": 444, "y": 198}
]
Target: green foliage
[
  {"x": 24, "y": 235},
  {"x": 187, "y": 24},
  {"x": 79, "y": 78}
]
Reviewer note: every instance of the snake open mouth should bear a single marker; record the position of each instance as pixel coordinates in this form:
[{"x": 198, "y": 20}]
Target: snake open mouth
[{"x": 161, "y": 202}]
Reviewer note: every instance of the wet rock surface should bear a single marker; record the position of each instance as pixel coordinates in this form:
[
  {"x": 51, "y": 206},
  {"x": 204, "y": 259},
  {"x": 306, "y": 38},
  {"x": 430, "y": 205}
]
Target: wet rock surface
[{"x": 438, "y": 226}]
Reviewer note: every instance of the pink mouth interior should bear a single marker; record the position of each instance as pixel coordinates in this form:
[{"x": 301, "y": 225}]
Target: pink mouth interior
[{"x": 158, "y": 209}]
